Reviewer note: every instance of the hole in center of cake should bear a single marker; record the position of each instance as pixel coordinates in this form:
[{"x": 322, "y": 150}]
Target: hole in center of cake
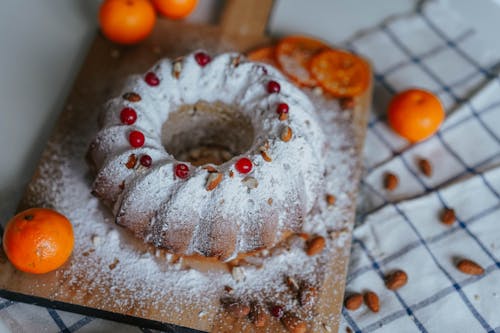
[{"x": 204, "y": 133}]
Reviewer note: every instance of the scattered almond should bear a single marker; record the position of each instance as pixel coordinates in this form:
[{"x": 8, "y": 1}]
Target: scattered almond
[
  {"x": 250, "y": 182},
  {"x": 448, "y": 216},
  {"x": 330, "y": 199},
  {"x": 132, "y": 160},
  {"x": 372, "y": 301},
  {"x": 236, "y": 61},
  {"x": 467, "y": 266},
  {"x": 231, "y": 174},
  {"x": 293, "y": 323},
  {"x": 270, "y": 201},
  {"x": 425, "y": 167},
  {"x": 237, "y": 309},
  {"x": 283, "y": 116},
  {"x": 353, "y": 301},
  {"x": 132, "y": 97},
  {"x": 265, "y": 156},
  {"x": 213, "y": 180},
  {"x": 258, "y": 315},
  {"x": 238, "y": 273},
  {"x": 391, "y": 181},
  {"x": 286, "y": 134},
  {"x": 315, "y": 245},
  {"x": 347, "y": 103},
  {"x": 228, "y": 289},
  {"x": 396, "y": 280}
]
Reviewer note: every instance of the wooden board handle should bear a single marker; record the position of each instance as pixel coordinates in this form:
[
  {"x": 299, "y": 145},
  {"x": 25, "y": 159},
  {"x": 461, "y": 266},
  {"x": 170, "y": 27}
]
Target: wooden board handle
[{"x": 245, "y": 17}]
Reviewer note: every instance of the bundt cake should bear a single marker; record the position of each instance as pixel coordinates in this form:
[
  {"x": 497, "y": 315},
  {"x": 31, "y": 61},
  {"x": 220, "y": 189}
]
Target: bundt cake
[{"x": 216, "y": 157}]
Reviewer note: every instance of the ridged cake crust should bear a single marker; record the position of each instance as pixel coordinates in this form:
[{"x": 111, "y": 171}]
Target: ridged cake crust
[{"x": 243, "y": 212}]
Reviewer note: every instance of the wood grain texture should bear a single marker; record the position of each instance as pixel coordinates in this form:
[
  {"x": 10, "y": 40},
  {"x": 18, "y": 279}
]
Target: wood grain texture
[{"x": 107, "y": 65}]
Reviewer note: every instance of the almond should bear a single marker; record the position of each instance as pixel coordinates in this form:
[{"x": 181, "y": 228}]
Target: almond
[
  {"x": 448, "y": 216},
  {"x": 425, "y": 167},
  {"x": 132, "y": 160},
  {"x": 315, "y": 245},
  {"x": 210, "y": 168},
  {"x": 283, "y": 116},
  {"x": 467, "y": 266},
  {"x": 372, "y": 301},
  {"x": 330, "y": 199},
  {"x": 293, "y": 323},
  {"x": 286, "y": 134},
  {"x": 391, "y": 181},
  {"x": 213, "y": 180},
  {"x": 353, "y": 301},
  {"x": 258, "y": 315},
  {"x": 265, "y": 156},
  {"x": 177, "y": 68},
  {"x": 396, "y": 280},
  {"x": 132, "y": 97},
  {"x": 347, "y": 103},
  {"x": 237, "y": 309}
]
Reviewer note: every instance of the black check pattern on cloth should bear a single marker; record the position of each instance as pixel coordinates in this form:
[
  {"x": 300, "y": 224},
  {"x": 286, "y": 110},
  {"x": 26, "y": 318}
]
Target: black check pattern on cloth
[
  {"x": 419, "y": 310},
  {"x": 433, "y": 50}
]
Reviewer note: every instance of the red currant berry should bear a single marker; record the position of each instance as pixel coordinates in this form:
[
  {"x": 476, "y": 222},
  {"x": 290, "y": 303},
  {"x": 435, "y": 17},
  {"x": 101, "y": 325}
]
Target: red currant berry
[
  {"x": 277, "y": 311},
  {"x": 136, "y": 139},
  {"x": 273, "y": 87},
  {"x": 202, "y": 58},
  {"x": 282, "y": 108},
  {"x": 128, "y": 116},
  {"x": 243, "y": 165},
  {"x": 152, "y": 79},
  {"x": 146, "y": 161},
  {"x": 182, "y": 170}
]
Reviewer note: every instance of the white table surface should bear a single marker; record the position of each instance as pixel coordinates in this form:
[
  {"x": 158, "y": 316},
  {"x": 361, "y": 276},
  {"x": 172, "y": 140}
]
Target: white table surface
[{"x": 43, "y": 43}]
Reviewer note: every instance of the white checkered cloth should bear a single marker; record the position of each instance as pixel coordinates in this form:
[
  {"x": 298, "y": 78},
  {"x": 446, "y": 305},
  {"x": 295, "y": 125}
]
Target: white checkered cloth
[{"x": 436, "y": 50}]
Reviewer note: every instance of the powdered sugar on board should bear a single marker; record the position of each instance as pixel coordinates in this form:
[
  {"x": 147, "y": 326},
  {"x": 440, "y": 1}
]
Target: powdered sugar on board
[{"x": 112, "y": 270}]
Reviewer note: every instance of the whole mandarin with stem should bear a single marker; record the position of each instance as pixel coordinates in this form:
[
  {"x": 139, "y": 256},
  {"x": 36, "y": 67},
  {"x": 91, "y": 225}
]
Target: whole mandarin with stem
[
  {"x": 38, "y": 240},
  {"x": 126, "y": 21}
]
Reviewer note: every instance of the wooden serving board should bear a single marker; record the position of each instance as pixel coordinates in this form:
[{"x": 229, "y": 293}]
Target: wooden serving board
[{"x": 242, "y": 27}]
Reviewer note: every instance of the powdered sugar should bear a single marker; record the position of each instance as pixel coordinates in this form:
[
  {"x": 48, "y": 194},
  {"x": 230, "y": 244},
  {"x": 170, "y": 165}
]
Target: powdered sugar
[{"x": 121, "y": 273}]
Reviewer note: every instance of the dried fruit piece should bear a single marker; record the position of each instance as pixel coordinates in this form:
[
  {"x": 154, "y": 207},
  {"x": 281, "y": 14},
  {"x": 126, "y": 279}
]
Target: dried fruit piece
[
  {"x": 151, "y": 79},
  {"x": 263, "y": 54},
  {"x": 391, "y": 181},
  {"x": 213, "y": 180},
  {"x": 286, "y": 134},
  {"x": 132, "y": 97},
  {"x": 128, "y": 116},
  {"x": 425, "y": 167},
  {"x": 293, "y": 323},
  {"x": 396, "y": 280},
  {"x": 372, "y": 301},
  {"x": 146, "y": 160},
  {"x": 277, "y": 311},
  {"x": 258, "y": 315},
  {"x": 136, "y": 139},
  {"x": 250, "y": 182},
  {"x": 202, "y": 58},
  {"x": 273, "y": 87},
  {"x": 283, "y": 116},
  {"x": 341, "y": 73},
  {"x": 181, "y": 170},
  {"x": 315, "y": 245},
  {"x": 177, "y": 68},
  {"x": 294, "y": 54},
  {"x": 265, "y": 156},
  {"x": 470, "y": 267},
  {"x": 237, "y": 309},
  {"x": 448, "y": 216},
  {"x": 132, "y": 160},
  {"x": 243, "y": 165},
  {"x": 330, "y": 199},
  {"x": 347, "y": 103},
  {"x": 353, "y": 301}
]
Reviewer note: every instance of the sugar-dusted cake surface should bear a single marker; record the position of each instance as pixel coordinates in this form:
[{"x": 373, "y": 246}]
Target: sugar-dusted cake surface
[{"x": 268, "y": 169}]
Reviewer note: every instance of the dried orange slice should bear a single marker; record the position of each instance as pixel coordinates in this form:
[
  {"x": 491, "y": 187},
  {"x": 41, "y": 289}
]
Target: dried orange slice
[
  {"x": 293, "y": 55},
  {"x": 264, "y": 54},
  {"x": 341, "y": 73}
]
